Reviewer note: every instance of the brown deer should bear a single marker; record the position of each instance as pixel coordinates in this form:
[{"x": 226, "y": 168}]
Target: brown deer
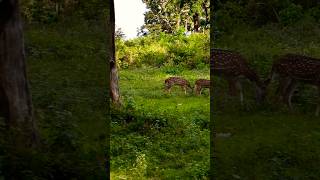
[
  {"x": 200, "y": 84},
  {"x": 233, "y": 66},
  {"x": 292, "y": 69},
  {"x": 183, "y": 83}
]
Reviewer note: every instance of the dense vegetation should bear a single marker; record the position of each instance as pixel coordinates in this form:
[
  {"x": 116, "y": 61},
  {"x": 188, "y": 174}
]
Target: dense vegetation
[
  {"x": 268, "y": 141},
  {"x": 172, "y": 52},
  {"x": 47, "y": 12},
  {"x": 67, "y": 74}
]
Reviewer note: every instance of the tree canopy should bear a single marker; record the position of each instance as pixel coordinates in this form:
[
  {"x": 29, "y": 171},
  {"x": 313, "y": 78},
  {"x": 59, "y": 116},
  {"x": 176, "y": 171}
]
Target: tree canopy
[{"x": 171, "y": 15}]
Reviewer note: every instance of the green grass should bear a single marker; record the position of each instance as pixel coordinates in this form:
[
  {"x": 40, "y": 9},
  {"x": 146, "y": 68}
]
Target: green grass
[
  {"x": 169, "y": 130},
  {"x": 264, "y": 146}
]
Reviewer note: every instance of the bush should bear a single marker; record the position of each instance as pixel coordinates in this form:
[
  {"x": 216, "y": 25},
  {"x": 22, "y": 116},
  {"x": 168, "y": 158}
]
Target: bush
[
  {"x": 315, "y": 13},
  {"x": 291, "y": 14},
  {"x": 164, "y": 50}
]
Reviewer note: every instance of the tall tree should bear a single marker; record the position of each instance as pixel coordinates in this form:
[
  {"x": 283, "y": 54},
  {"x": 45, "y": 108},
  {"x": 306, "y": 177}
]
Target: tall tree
[
  {"x": 114, "y": 87},
  {"x": 15, "y": 98}
]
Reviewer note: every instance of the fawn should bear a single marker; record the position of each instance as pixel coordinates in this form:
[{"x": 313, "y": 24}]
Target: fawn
[
  {"x": 183, "y": 83},
  {"x": 200, "y": 84}
]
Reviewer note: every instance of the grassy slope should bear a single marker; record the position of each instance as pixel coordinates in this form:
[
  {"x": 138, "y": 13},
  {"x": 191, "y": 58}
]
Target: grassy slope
[{"x": 176, "y": 145}]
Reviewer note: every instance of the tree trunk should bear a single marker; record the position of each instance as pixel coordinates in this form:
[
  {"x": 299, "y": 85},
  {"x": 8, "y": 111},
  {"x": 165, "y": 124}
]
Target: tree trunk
[
  {"x": 178, "y": 22},
  {"x": 196, "y": 22},
  {"x": 114, "y": 87},
  {"x": 186, "y": 25},
  {"x": 204, "y": 6},
  {"x": 15, "y": 99},
  {"x": 57, "y": 8}
]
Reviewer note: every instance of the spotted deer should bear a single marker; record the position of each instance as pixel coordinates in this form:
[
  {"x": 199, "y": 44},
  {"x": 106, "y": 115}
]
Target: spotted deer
[
  {"x": 179, "y": 81},
  {"x": 292, "y": 69},
  {"x": 200, "y": 84},
  {"x": 233, "y": 66}
]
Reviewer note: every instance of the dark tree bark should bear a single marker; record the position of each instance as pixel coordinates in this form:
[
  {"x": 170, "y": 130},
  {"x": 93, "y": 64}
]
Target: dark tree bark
[
  {"x": 15, "y": 98},
  {"x": 204, "y": 6},
  {"x": 196, "y": 22},
  {"x": 114, "y": 87},
  {"x": 112, "y": 73}
]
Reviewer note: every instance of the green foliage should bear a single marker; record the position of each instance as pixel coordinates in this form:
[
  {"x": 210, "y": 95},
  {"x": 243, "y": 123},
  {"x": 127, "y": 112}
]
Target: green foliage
[
  {"x": 168, "y": 16},
  {"x": 315, "y": 13},
  {"x": 169, "y": 51},
  {"x": 93, "y": 9},
  {"x": 44, "y": 11},
  {"x": 39, "y": 11},
  {"x": 258, "y": 13},
  {"x": 291, "y": 14}
]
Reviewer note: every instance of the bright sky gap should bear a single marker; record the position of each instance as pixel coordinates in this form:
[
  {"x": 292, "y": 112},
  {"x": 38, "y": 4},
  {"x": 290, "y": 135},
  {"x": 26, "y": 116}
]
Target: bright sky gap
[{"x": 129, "y": 16}]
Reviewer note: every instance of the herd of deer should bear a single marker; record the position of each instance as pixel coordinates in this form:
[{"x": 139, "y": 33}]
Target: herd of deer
[
  {"x": 232, "y": 66},
  {"x": 184, "y": 84}
]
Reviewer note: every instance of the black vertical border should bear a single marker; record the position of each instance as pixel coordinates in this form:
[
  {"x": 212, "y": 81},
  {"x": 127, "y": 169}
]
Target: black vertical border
[{"x": 213, "y": 5}]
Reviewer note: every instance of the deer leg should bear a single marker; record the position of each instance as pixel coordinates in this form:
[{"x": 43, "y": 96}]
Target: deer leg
[
  {"x": 289, "y": 93},
  {"x": 191, "y": 89},
  {"x": 182, "y": 87},
  {"x": 195, "y": 89},
  {"x": 167, "y": 88},
  {"x": 318, "y": 106},
  {"x": 284, "y": 84},
  {"x": 239, "y": 87},
  {"x": 232, "y": 86}
]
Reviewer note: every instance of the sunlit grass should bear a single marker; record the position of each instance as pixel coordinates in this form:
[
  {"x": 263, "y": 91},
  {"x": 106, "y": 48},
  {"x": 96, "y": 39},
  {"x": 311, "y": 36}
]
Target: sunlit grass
[{"x": 177, "y": 143}]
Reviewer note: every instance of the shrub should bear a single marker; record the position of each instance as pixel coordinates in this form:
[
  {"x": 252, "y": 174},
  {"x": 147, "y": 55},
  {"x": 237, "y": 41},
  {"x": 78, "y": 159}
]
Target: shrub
[
  {"x": 164, "y": 50},
  {"x": 315, "y": 13},
  {"x": 291, "y": 14}
]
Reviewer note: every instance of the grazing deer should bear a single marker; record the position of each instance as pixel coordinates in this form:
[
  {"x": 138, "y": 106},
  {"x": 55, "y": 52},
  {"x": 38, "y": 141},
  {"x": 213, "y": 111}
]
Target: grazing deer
[
  {"x": 294, "y": 68},
  {"x": 183, "y": 83},
  {"x": 200, "y": 84},
  {"x": 232, "y": 66}
]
